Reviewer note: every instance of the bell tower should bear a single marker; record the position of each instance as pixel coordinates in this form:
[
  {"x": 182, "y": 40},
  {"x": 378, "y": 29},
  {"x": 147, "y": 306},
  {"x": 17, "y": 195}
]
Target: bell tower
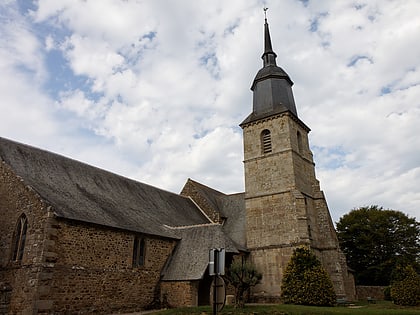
[{"x": 285, "y": 207}]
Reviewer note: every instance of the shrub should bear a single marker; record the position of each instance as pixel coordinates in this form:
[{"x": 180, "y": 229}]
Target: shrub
[
  {"x": 242, "y": 275},
  {"x": 306, "y": 282},
  {"x": 406, "y": 289}
]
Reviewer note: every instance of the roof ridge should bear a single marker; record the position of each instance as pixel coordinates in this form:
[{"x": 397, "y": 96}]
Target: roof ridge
[{"x": 191, "y": 226}]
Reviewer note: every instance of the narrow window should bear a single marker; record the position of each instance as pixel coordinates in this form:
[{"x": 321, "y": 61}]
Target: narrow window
[
  {"x": 266, "y": 141},
  {"x": 299, "y": 141},
  {"x": 19, "y": 238},
  {"x": 138, "y": 252}
]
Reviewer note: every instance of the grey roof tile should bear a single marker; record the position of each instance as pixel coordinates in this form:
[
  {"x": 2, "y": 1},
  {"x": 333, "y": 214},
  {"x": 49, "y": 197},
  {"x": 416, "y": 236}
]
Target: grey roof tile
[
  {"x": 82, "y": 192},
  {"x": 191, "y": 256},
  {"x": 231, "y": 208}
]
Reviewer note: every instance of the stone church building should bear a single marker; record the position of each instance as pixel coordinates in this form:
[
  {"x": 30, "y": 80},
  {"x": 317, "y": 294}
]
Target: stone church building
[{"x": 77, "y": 239}]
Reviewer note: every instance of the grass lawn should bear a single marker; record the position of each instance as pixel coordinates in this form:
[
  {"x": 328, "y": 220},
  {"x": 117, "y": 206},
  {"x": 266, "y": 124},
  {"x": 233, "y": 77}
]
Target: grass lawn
[{"x": 381, "y": 308}]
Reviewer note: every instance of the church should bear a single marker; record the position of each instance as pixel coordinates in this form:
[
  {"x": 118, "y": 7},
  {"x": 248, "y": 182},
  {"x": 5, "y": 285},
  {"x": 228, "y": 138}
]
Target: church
[{"x": 78, "y": 239}]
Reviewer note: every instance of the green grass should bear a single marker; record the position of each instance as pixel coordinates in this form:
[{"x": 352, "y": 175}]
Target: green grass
[{"x": 381, "y": 308}]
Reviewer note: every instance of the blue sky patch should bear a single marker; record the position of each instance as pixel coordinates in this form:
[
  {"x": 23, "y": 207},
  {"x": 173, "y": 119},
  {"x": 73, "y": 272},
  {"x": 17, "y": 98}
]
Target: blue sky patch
[
  {"x": 304, "y": 2},
  {"x": 355, "y": 59},
  {"x": 385, "y": 90},
  {"x": 62, "y": 78},
  {"x": 331, "y": 157},
  {"x": 316, "y": 20}
]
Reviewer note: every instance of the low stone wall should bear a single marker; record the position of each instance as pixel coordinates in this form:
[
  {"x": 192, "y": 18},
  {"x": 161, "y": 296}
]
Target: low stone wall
[{"x": 376, "y": 292}]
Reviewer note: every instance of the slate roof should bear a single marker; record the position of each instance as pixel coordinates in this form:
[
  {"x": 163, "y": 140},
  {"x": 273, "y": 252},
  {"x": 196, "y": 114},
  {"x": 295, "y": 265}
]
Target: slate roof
[
  {"x": 85, "y": 193},
  {"x": 233, "y": 208},
  {"x": 191, "y": 256},
  {"x": 272, "y": 87}
]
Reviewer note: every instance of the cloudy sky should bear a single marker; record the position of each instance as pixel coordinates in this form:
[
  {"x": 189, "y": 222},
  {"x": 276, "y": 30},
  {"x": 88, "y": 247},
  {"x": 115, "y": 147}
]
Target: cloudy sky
[{"x": 155, "y": 90}]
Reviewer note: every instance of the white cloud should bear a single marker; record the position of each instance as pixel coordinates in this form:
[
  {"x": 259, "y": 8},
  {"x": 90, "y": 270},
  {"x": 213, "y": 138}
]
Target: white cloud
[{"x": 156, "y": 89}]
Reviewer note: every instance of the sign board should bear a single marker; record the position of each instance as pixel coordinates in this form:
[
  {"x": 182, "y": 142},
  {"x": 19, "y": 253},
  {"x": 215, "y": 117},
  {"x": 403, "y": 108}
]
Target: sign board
[{"x": 217, "y": 261}]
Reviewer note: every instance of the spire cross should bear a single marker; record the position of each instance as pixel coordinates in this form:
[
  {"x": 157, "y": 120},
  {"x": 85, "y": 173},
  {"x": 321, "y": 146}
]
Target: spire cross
[{"x": 265, "y": 12}]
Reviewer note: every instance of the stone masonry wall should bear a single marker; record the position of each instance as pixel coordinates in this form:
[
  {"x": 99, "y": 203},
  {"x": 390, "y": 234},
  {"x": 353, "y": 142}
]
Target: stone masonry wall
[
  {"x": 94, "y": 273},
  {"x": 272, "y": 220},
  {"x": 375, "y": 292},
  {"x": 180, "y": 293},
  {"x": 70, "y": 267},
  {"x": 189, "y": 190},
  {"x": 21, "y": 278},
  {"x": 272, "y": 263},
  {"x": 285, "y": 207}
]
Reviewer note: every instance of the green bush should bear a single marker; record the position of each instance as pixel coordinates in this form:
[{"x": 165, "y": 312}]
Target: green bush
[
  {"x": 406, "y": 289},
  {"x": 242, "y": 275},
  {"x": 306, "y": 282}
]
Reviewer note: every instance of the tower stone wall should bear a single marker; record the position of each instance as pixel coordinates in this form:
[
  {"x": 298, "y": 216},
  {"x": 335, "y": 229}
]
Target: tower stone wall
[{"x": 285, "y": 207}]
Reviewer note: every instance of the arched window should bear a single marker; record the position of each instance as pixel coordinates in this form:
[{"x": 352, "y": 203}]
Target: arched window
[
  {"x": 19, "y": 238},
  {"x": 299, "y": 141},
  {"x": 266, "y": 141},
  {"x": 139, "y": 251}
]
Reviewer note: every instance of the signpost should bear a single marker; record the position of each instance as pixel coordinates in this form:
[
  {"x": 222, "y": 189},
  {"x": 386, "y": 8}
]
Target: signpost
[
  {"x": 217, "y": 269},
  {"x": 218, "y": 294}
]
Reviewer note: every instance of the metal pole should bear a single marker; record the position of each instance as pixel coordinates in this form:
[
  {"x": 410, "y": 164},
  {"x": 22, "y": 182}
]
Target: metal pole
[{"x": 216, "y": 266}]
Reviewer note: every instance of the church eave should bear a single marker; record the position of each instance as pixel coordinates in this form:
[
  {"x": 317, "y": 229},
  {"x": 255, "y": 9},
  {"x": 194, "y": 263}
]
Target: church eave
[{"x": 253, "y": 120}]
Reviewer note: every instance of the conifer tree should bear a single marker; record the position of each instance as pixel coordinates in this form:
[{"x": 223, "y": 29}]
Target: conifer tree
[
  {"x": 405, "y": 288},
  {"x": 306, "y": 282}
]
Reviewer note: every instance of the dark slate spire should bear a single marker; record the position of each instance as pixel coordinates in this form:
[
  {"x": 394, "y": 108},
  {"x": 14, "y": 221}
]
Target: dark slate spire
[
  {"x": 272, "y": 86},
  {"x": 269, "y": 56}
]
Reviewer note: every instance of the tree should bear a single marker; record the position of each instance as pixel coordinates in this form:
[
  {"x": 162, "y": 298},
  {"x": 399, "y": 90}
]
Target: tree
[
  {"x": 405, "y": 289},
  {"x": 375, "y": 240},
  {"x": 306, "y": 282},
  {"x": 242, "y": 275}
]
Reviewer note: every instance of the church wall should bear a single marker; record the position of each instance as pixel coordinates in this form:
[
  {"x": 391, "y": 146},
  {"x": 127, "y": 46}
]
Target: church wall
[
  {"x": 93, "y": 271},
  {"x": 272, "y": 263},
  {"x": 334, "y": 262},
  {"x": 327, "y": 236},
  {"x": 190, "y": 191},
  {"x": 262, "y": 169},
  {"x": 22, "y": 277},
  {"x": 303, "y": 174},
  {"x": 278, "y": 127},
  {"x": 180, "y": 293},
  {"x": 272, "y": 220},
  {"x": 266, "y": 174}
]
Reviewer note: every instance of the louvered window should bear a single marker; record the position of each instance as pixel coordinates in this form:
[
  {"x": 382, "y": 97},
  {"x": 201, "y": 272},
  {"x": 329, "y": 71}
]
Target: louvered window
[
  {"x": 266, "y": 141},
  {"x": 19, "y": 238}
]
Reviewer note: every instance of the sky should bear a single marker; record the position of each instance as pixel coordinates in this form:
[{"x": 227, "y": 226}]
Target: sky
[{"x": 155, "y": 90}]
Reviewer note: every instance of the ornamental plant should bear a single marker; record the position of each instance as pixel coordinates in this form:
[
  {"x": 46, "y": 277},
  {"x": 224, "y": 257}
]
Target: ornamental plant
[
  {"x": 306, "y": 282},
  {"x": 242, "y": 275},
  {"x": 405, "y": 290}
]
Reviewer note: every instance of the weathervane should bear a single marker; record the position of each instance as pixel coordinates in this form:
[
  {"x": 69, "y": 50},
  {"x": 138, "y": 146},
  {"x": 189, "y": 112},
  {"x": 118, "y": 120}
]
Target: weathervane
[{"x": 265, "y": 12}]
